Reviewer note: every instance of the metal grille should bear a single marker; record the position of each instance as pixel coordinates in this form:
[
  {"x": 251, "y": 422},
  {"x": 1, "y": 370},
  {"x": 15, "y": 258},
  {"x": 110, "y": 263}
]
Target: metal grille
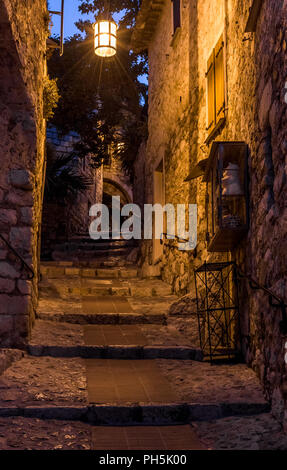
[{"x": 217, "y": 310}]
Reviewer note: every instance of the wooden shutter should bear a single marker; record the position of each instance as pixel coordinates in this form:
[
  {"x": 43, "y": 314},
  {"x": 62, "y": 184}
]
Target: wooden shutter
[
  {"x": 219, "y": 80},
  {"x": 176, "y": 14},
  {"x": 210, "y": 77}
]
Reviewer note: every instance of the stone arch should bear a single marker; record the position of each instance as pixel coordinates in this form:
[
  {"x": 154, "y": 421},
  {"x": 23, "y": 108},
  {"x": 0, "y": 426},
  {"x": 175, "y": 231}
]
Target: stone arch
[{"x": 114, "y": 186}]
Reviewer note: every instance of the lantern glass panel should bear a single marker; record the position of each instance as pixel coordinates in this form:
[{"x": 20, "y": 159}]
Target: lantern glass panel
[
  {"x": 227, "y": 210},
  {"x": 104, "y": 27},
  {"x": 113, "y": 42},
  {"x": 104, "y": 40},
  {"x": 113, "y": 28}
]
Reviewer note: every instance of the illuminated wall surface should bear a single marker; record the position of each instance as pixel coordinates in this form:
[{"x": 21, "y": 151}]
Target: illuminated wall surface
[{"x": 255, "y": 76}]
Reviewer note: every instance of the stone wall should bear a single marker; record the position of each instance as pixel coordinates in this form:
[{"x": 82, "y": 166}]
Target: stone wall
[
  {"x": 64, "y": 220},
  {"x": 23, "y": 33},
  {"x": 256, "y": 113},
  {"x": 116, "y": 178},
  {"x": 169, "y": 124}
]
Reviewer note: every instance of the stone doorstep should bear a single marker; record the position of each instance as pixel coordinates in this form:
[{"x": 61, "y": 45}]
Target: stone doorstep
[
  {"x": 117, "y": 352},
  {"x": 104, "y": 318},
  {"x": 136, "y": 413},
  {"x": 99, "y": 290},
  {"x": 70, "y": 271}
]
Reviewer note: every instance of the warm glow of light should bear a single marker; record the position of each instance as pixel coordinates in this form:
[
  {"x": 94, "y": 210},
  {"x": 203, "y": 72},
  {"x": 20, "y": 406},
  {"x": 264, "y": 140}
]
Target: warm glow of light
[{"x": 105, "y": 38}]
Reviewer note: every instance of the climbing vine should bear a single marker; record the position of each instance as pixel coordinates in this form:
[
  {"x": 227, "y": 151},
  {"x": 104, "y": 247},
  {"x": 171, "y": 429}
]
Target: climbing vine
[{"x": 50, "y": 97}]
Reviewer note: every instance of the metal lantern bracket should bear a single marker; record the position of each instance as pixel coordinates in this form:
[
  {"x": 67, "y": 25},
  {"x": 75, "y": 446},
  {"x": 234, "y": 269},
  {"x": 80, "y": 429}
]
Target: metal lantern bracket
[{"x": 61, "y": 14}]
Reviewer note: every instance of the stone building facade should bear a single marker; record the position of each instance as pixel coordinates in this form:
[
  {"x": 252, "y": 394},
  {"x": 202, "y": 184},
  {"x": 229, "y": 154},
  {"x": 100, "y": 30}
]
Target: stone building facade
[
  {"x": 65, "y": 221},
  {"x": 255, "y": 112},
  {"x": 23, "y": 34}
]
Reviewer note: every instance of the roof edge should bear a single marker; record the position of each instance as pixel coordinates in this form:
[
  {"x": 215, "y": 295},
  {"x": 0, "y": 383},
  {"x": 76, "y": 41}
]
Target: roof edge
[{"x": 146, "y": 22}]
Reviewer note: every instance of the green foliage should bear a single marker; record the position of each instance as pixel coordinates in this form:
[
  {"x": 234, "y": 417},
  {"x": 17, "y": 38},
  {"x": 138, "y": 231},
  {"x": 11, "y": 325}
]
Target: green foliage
[
  {"x": 50, "y": 97},
  {"x": 102, "y": 100},
  {"x": 128, "y": 10},
  {"x": 63, "y": 180}
]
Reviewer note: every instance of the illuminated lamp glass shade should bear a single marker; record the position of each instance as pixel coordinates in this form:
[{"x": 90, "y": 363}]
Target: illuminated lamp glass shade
[{"x": 105, "y": 38}]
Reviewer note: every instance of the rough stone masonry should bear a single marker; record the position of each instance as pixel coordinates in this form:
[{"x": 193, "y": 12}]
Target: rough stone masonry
[
  {"x": 256, "y": 73},
  {"x": 23, "y": 33}
]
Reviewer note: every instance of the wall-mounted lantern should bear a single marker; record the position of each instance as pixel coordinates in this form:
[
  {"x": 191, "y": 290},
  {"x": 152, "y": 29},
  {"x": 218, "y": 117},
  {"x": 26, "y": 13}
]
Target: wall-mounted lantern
[
  {"x": 227, "y": 195},
  {"x": 105, "y": 38}
]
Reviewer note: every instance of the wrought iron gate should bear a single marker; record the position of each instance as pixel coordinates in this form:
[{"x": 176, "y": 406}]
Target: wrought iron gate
[{"x": 218, "y": 310}]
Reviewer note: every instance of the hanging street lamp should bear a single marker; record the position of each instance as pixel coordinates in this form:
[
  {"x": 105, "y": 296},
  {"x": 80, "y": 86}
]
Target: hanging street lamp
[{"x": 105, "y": 38}]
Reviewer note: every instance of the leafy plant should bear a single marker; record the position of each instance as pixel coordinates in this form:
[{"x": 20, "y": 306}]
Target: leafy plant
[
  {"x": 99, "y": 96},
  {"x": 50, "y": 96},
  {"x": 64, "y": 181}
]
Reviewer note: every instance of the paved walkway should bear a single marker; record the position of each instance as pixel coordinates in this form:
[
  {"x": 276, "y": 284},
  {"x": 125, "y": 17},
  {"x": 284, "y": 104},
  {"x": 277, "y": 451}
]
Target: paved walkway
[{"x": 116, "y": 373}]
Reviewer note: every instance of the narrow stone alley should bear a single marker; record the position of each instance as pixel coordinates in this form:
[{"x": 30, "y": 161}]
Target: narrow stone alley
[
  {"x": 110, "y": 367},
  {"x": 143, "y": 226}
]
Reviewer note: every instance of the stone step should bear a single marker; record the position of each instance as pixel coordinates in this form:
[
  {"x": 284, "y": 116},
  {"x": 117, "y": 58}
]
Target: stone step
[
  {"x": 81, "y": 318},
  {"x": 110, "y": 342},
  {"x": 89, "y": 241},
  {"x": 120, "y": 392},
  {"x": 89, "y": 289},
  {"x": 58, "y": 304},
  {"x": 35, "y": 434},
  {"x": 138, "y": 414},
  {"x": 65, "y": 287},
  {"x": 117, "y": 352},
  {"x": 64, "y": 269},
  {"x": 259, "y": 432}
]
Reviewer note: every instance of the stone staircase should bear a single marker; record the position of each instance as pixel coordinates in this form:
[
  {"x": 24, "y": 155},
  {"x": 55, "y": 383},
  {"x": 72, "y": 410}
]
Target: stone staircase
[
  {"x": 83, "y": 249},
  {"x": 105, "y": 355}
]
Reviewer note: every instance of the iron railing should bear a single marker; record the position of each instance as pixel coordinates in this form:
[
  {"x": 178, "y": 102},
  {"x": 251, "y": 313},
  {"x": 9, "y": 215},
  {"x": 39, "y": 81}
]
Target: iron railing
[
  {"x": 24, "y": 265},
  {"x": 279, "y": 302},
  {"x": 168, "y": 236}
]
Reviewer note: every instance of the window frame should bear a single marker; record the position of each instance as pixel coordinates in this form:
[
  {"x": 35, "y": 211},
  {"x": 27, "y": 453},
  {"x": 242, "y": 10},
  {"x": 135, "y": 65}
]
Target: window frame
[
  {"x": 219, "y": 118},
  {"x": 176, "y": 7}
]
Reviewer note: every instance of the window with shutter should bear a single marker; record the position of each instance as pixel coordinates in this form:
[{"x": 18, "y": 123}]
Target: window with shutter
[
  {"x": 176, "y": 15},
  {"x": 215, "y": 76},
  {"x": 210, "y": 94},
  {"x": 219, "y": 80}
]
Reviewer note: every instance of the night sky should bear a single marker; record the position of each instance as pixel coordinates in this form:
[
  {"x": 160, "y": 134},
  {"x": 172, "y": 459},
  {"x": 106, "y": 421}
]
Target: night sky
[{"x": 71, "y": 16}]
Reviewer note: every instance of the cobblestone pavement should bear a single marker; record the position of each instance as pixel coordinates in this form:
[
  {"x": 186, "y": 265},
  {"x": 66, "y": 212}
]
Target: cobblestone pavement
[
  {"x": 156, "y": 304},
  {"x": 121, "y": 390},
  {"x": 8, "y": 356},
  {"x": 201, "y": 382},
  {"x": 261, "y": 432},
  {"x": 58, "y": 381},
  {"x": 48, "y": 333},
  {"x": 44, "y": 380},
  {"x": 36, "y": 434}
]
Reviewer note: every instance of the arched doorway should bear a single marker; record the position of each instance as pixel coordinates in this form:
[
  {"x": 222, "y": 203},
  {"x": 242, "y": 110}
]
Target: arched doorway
[{"x": 114, "y": 189}]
